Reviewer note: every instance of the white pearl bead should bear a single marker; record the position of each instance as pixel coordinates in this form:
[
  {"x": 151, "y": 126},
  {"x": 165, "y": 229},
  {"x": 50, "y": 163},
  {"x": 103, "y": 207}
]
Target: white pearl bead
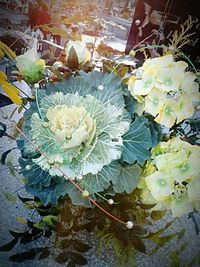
[
  {"x": 110, "y": 201},
  {"x": 100, "y": 87},
  {"x": 50, "y": 161},
  {"x": 45, "y": 124},
  {"x": 28, "y": 167},
  {"x": 129, "y": 225},
  {"x": 85, "y": 194},
  {"x": 79, "y": 177},
  {"x": 36, "y": 86},
  {"x": 137, "y": 22}
]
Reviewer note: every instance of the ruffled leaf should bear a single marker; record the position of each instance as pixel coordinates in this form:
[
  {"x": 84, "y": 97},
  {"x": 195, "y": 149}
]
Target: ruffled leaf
[
  {"x": 128, "y": 179},
  {"x": 101, "y": 181},
  {"x": 137, "y": 142}
]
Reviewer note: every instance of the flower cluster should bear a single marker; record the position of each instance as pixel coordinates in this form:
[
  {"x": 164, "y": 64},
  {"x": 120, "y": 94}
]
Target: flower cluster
[
  {"x": 172, "y": 178},
  {"x": 166, "y": 89}
]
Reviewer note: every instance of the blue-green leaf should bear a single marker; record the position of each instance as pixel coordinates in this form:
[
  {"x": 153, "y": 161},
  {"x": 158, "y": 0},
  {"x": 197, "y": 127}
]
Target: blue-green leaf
[
  {"x": 112, "y": 88},
  {"x": 128, "y": 179},
  {"x": 101, "y": 181},
  {"x": 73, "y": 193},
  {"x": 137, "y": 142}
]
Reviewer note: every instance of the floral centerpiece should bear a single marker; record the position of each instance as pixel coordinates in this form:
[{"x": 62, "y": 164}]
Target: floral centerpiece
[{"x": 110, "y": 143}]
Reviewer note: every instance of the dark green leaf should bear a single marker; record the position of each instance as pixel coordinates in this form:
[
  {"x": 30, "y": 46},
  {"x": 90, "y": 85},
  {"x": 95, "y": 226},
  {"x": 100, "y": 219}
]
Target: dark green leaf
[
  {"x": 20, "y": 257},
  {"x": 62, "y": 257},
  {"x": 157, "y": 214},
  {"x": 80, "y": 246},
  {"x": 77, "y": 258},
  {"x": 72, "y": 59},
  {"x": 180, "y": 234},
  {"x": 26, "y": 238},
  {"x": 4, "y": 101},
  {"x": 138, "y": 244},
  {"x": 44, "y": 254},
  {"x": 71, "y": 264},
  {"x": 139, "y": 230},
  {"x": 17, "y": 234},
  {"x": 24, "y": 199},
  {"x": 156, "y": 133},
  {"x": 196, "y": 227},
  {"x": 4, "y": 155},
  {"x": 9, "y": 246},
  {"x": 3, "y": 128}
]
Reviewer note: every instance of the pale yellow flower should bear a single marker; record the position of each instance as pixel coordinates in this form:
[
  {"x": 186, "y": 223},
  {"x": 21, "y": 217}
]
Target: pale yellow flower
[
  {"x": 187, "y": 82},
  {"x": 194, "y": 189},
  {"x": 168, "y": 161},
  {"x": 167, "y": 115},
  {"x": 185, "y": 107},
  {"x": 160, "y": 185},
  {"x": 143, "y": 86},
  {"x": 155, "y": 101},
  {"x": 152, "y": 65},
  {"x": 169, "y": 79},
  {"x": 179, "y": 207}
]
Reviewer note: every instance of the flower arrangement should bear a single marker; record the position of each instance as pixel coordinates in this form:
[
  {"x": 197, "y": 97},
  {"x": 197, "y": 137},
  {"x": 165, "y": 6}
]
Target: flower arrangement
[{"x": 84, "y": 143}]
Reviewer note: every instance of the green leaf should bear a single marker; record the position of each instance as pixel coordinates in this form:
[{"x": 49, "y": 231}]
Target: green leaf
[
  {"x": 71, "y": 264},
  {"x": 113, "y": 90},
  {"x": 101, "y": 181},
  {"x": 44, "y": 254},
  {"x": 161, "y": 241},
  {"x": 146, "y": 206},
  {"x": 9, "y": 246},
  {"x": 80, "y": 246},
  {"x": 137, "y": 142},
  {"x": 3, "y": 128},
  {"x": 16, "y": 234},
  {"x": 139, "y": 230},
  {"x": 77, "y": 258},
  {"x": 72, "y": 59},
  {"x": 4, "y": 155},
  {"x": 156, "y": 133},
  {"x": 157, "y": 214},
  {"x": 138, "y": 244},
  {"x": 128, "y": 178},
  {"x": 24, "y": 199},
  {"x": 20, "y": 257},
  {"x": 10, "y": 197},
  {"x": 40, "y": 225},
  {"x": 62, "y": 257},
  {"x": 74, "y": 194},
  {"x": 50, "y": 219},
  {"x": 180, "y": 234}
]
